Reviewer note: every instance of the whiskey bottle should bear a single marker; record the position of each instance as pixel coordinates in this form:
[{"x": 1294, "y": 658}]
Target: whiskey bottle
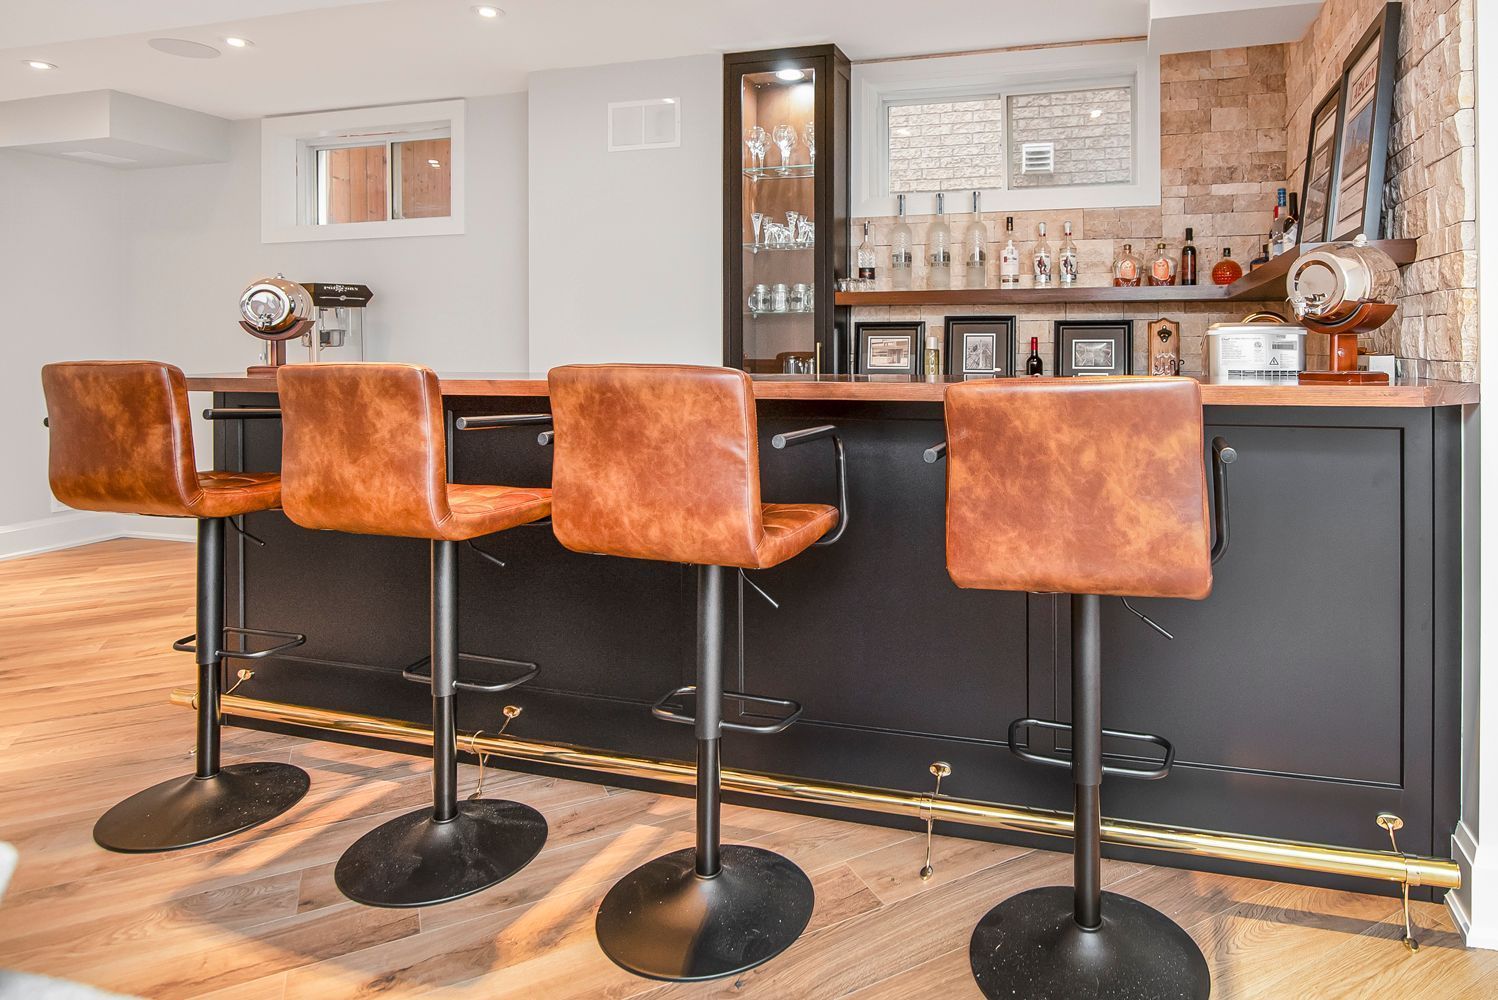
[
  {"x": 939, "y": 249},
  {"x": 1127, "y": 269},
  {"x": 1162, "y": 268},
  {"x": 901, "y": 255}
]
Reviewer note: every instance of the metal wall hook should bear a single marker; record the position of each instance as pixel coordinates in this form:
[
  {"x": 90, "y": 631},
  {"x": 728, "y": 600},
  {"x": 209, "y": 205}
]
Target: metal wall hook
[
  {"x": 492, "y": 558},
  {"x": 1145, "y": 618},
  {"x": 759, "y": 590},
  {"x": 1391, "y": 822},
  {"x": 940, "y": 769},
  {"x": 239, "y": 527}
]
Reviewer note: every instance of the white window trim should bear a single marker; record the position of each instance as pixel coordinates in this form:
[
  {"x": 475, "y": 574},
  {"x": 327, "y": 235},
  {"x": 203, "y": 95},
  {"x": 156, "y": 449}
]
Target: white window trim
[
  {"x": 1006, "y": 73},
  {"x": 288, "y": 144}
]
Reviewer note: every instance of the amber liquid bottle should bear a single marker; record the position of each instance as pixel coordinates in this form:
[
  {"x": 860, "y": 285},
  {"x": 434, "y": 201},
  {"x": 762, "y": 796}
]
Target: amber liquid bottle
[
  {"x": 1227, "y": 270},
  {"x": 1188, "y": 261}
]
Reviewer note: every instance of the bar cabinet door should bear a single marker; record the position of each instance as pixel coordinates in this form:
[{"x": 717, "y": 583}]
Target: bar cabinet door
[{"x": 785, "y": 208}]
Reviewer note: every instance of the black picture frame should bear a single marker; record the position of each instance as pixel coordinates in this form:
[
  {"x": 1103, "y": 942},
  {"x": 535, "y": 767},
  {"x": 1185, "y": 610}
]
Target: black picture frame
[
  {"x": 1364, "y": 110},
  {"x": 1085, "y": 340},
  {"x": 1317, "y": 193},
  {"x": 870, "y": 337},
  {"x": 964, "y": 332}
]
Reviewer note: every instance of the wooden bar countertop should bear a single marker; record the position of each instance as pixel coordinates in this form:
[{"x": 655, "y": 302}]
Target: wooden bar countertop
[{"x": 899, "y": 388}]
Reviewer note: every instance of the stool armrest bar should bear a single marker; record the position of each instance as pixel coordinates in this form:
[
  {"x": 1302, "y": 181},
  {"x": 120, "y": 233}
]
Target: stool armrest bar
[
  {"x": 242, "y": 413},
  {"x": 1223, "y": 455},
  {"x": 790, "y": 439},
  {"x": 501, "y": 420},
  {"x": 935, "y": 453}
]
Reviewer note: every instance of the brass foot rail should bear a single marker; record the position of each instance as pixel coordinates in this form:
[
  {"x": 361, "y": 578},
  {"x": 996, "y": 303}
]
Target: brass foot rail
[{"x": 1388, "y": 866}]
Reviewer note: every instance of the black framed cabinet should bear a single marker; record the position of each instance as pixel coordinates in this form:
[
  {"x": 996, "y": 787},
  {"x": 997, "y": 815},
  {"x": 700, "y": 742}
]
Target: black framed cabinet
[{"x": 785, "y": 208}]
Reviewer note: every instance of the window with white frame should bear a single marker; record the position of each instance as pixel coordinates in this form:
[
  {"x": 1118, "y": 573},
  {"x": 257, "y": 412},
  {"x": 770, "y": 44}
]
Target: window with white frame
[
  {"x": 406, "y": 176},
  {"x": 1036, "y": 129}
]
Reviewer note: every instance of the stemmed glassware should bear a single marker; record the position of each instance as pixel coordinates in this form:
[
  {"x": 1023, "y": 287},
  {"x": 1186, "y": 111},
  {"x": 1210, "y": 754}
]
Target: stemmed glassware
[
  {"x": 785, "y": 138},
  {"x": 811, "y": 141},
  {"x": 758, "y": 219},
  {"x": 758, "y": 141}
]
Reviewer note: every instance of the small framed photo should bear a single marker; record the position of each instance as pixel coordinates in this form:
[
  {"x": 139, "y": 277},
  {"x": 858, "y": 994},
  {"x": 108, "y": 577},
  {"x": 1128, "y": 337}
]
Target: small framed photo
[
  {"x": 1321, "y": 153},
  {"x": 1094, "y": 347},
  {"x": 980, "y": 346},
  {"x": 888, "y": 348},
  {"x": 1366, "y": 104}
]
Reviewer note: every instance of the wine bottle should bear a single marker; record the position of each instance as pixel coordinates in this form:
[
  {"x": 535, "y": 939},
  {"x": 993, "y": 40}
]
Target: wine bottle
[
  {"x": 1187, "y": 272},
  {"x": 901, "y": 254},
  {"x": 1033, "y": 364},
  {"x": 939, "y": 249},
  {"x": 1009, "y": 257},
  {"x": 866, "y": 263}
]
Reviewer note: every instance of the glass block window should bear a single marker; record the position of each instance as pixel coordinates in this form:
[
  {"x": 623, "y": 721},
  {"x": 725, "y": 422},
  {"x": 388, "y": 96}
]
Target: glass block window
[
  {"x": 946, "y": 145},
  {"x": 1090, "y": 134}
]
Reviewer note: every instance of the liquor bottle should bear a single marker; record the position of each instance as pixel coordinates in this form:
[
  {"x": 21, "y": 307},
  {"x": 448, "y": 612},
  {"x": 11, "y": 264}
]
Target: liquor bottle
[
  {"x": 1260, "y": 260},
  {"x": 866, "y": 256},
  {"x": 939, "y": 249},
  {"x": 1187, "y": 273},
  {"x": 1227, "y": 270},
  {"x": 975, "y": 250},
  {"x": 1162, "y": 268},
  {"x": 1276, "y": 228},
  {"x": 1290, "y": 229},
  {"x": 1066, "y": 257},
  {"x": 933, "y": 359},
  {"x": 1041, "y": 258},
  {"x": 1009, "y": 257},
  {"x": 1033, "y": 364},
  {"x": 901, "y": 256},
  {"x": 1127, "y": 269}
]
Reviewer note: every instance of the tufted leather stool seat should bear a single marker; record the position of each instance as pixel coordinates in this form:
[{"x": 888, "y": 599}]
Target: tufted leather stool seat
[
  {"x": 120, "y": 440},
  {"x": 661, "y": 462},
  {"x": 364, "y": 450}
]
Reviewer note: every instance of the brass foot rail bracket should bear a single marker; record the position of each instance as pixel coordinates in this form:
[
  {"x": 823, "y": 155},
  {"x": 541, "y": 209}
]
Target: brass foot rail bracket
[{"x": 1407, "y": 870}]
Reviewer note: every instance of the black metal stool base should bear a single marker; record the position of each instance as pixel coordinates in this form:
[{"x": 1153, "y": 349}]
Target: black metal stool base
[
  {"x": 1031, "y": 946},
  {"x": 415, "y": 861},
  {"x": 187, "y": 811},
  {"x": 664, "y": 922}
]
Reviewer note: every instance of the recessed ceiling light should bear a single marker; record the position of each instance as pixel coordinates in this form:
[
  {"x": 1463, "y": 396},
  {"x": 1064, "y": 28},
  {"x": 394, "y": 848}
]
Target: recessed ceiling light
[
  {"x": 235, "y": 42},
  {"x": 182, "y": 47},
  {"x": 38, "y": 64},
  {"x": 789, "y": 75},
  {"x": 484, "y": 10}
]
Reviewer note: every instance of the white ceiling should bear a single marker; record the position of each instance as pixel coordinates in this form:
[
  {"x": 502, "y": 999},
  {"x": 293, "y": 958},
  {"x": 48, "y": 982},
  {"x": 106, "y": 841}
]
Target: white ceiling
[{"x": 317, "y": 54}]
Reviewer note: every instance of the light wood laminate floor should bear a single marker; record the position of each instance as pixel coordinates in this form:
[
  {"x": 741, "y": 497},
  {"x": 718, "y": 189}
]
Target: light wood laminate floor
[{"x": 84, "y": 673}]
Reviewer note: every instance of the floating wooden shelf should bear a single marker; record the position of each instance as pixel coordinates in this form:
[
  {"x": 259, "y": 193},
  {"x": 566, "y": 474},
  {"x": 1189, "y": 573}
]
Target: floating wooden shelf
[{"x": 1265, "y": 284}]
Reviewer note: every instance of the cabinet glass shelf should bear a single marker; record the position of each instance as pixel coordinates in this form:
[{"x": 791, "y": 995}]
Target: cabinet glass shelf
[
  {"x": 791, "y": 172},
  {"x": 765, "y": 247}
]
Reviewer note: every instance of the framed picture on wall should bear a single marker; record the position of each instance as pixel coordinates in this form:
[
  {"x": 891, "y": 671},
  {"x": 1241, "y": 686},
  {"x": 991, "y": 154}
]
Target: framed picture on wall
[
  {"x": 1362, "y": 149},
  {"x": 1094, "y": 347},
  {"x": 980, "y": 346},
  {"x": 888, "y": 348},
  {"x": 1316, "y": 178}
]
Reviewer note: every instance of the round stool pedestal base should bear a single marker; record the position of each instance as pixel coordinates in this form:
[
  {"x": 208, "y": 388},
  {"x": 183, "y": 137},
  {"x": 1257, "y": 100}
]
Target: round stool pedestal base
[
  {"x": 1030, "y": 946},
  {"x": 415, "y": 861},
  {"x": 663, "y": 921},
  {"x": 184, "y": 812}
]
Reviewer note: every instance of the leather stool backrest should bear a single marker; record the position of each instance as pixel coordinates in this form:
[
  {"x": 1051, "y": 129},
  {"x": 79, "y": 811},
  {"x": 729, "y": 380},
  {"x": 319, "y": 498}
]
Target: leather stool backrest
[
  {"x": 120, "y": 437},
  {"x": 1078, "y": 486},
  {"x": 656, "y": 462},
  {"x": 363, "y": 449}
]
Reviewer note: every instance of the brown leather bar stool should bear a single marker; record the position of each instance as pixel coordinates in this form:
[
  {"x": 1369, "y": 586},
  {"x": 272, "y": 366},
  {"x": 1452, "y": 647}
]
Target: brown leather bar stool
[
  {"x": 1028, "y": 462},
  {"x": 364, "y": 451},
  {"x": 661, "y": 462},
  {"x": 121, "y": 441}
]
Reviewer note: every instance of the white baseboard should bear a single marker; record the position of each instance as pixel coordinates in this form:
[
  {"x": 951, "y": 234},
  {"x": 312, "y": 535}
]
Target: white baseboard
[
  {"x": 1474, "y": 898},
  {"x": 84, "y": 527}
]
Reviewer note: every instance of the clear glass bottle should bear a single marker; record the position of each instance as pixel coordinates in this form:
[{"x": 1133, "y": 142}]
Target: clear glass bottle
[
  {"x": 939, "y": 249},
  {"x": 901, "y": 254},
  {"x": 933, "y": 359},
  {"x": 1276, "y": 228},
  {"x": 1041, "y": 260},
  {"x": 1066, "y": 257},
  {"x": 1009, "y": 257},
  {"x": 1127, "y": 269},
  {"x": 975, "y": 250},
  {"x": 1163, "y": 267},
  {"x": 866, "y": 262}
]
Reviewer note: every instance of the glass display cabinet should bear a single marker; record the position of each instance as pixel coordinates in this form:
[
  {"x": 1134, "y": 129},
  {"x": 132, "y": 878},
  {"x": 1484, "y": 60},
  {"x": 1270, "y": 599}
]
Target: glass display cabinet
[{"x": 785, "y": 220}]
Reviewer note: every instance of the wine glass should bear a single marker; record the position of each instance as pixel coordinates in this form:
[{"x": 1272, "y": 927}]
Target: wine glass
[
  {"x": 758, "y": 219},
  {"x": 758, "y": 141},
  {"x": 785, "y": 138},
  {"x": 811, "y": 141}
]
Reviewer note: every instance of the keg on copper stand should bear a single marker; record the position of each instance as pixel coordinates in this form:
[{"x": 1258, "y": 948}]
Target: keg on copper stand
[
  {"x": 1343, "y": 289},
  {"x": 326, "y": 318}
]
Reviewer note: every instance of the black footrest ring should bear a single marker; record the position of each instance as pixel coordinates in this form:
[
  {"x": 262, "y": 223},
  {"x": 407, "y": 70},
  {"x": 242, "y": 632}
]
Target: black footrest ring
[
  {"x": 420, "y": 672},
  {"x": 189, "y": 643},
  {"x": 1141, "y": 773},
  {"x": 793, "y": 711}
]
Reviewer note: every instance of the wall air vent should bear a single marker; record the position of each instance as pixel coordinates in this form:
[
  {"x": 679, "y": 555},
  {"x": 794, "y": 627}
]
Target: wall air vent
[
  {"x": 1038, "y": 157},
  {"x": 644, "y": 124}
]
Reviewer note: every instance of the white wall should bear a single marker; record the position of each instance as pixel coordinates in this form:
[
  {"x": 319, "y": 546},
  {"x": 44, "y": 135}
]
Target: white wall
[
  {"x": 62, "y": 281},
  {"x": 626, "y": 252}
]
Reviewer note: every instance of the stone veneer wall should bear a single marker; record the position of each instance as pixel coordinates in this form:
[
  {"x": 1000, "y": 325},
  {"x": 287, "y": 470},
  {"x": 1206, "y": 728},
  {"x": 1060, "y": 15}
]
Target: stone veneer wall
[{"x": 1431, "y": 172}]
